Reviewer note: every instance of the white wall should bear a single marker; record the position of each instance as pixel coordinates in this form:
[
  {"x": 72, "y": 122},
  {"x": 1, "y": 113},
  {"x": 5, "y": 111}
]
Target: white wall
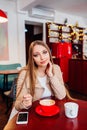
[
  {"x": 60, "y": 17},
  {"x": 10, "y": 8},
  {"x": 16, "y": 26}
]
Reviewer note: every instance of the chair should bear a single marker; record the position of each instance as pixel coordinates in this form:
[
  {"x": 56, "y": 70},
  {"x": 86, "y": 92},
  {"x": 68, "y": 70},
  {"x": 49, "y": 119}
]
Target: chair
[{"x": 10, "y": 95}]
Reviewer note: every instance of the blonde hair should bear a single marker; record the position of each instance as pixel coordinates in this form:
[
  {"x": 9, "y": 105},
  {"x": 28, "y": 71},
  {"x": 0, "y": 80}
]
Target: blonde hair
[{"x": 32, "y": 65}]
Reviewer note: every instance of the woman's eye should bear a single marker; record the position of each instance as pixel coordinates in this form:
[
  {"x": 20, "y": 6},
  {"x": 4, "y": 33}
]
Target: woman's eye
[
  {"x": 44, "y": 52},
  {"x": 35, "y": 55}
]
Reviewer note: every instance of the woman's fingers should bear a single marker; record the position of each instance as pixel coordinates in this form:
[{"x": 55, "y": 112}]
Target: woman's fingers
[
  {"x": 27, "y": 100},
  {"x": 49, "y": 69}
]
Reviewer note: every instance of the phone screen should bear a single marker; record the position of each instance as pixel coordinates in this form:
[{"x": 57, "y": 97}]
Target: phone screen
[{"x": 22, "y": 118}]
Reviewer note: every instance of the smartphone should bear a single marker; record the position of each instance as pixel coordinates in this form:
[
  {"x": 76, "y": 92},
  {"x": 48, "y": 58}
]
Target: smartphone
[{"x": 22, "y": 118}]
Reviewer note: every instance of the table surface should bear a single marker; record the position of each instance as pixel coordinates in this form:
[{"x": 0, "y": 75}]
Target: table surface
[
  {"x": 6, "y": 72},
  {"x": 57, "y": 122}
]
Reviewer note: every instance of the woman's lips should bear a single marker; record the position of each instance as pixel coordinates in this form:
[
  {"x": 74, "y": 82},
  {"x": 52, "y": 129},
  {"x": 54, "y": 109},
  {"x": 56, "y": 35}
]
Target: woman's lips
[{"x": 43, "y": 62}]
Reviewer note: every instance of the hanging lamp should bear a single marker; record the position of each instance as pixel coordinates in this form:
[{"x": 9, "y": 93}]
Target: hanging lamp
[{"x": 3, "y": 17}]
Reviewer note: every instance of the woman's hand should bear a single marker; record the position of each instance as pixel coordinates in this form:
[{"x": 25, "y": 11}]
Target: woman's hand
[
  {"x": 49, "y": 69},
  {"x": 27, "y": 100}
]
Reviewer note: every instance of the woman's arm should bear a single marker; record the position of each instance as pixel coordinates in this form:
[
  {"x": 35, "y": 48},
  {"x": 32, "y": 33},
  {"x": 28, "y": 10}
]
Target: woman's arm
[
  {"x": 23, "y": 97},
  {"x": 57, "y": 83}
]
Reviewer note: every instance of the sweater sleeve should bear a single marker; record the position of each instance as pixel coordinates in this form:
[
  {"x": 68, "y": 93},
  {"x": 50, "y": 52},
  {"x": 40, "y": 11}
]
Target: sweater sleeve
[
  {"x": 20, "y": 91},
  {"x": 57, "y": 83}
]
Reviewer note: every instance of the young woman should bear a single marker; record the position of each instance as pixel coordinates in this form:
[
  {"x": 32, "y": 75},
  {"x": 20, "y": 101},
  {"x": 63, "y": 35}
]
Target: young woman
[{"x": 40, "y": 78}]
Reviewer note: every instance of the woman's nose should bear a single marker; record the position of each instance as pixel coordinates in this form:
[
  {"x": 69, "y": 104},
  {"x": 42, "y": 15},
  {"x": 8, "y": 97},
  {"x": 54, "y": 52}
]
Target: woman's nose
[{"x": 41, "y": 57}]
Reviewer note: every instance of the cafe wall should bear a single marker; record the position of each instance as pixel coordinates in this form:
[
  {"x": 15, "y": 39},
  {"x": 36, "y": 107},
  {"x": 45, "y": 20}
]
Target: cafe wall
[
  {"x": 4, "y": 41},
  {"x": 71, "y": 19},
  {"x": 12, "y": 40},
  {"x": 16, "y": 27}
]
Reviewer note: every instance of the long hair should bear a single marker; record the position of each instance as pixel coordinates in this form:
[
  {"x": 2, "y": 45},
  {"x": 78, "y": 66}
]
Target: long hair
[{"x": 32, "y": 65}]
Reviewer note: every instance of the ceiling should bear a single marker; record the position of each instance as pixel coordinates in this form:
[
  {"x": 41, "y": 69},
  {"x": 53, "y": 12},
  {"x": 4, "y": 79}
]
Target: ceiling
[{"x": 73, "y": 7}]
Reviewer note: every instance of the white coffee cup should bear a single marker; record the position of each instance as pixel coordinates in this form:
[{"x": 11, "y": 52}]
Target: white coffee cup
[{"x": 71, "y": 109}]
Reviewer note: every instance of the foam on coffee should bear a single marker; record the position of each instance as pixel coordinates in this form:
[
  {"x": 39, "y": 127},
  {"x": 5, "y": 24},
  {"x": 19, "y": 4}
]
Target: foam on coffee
[{"x": 47, "y": 102}]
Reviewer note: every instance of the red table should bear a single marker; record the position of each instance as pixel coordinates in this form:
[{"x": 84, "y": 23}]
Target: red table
[{"x": 57, "y": 122}]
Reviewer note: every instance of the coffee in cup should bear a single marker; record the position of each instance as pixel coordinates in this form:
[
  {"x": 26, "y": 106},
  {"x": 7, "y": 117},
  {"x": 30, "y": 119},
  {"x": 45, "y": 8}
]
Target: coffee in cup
[{"x": 47, "y": 105}]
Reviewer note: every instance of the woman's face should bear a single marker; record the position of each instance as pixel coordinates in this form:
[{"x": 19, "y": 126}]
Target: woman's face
[{"x": 41, "y": 55}]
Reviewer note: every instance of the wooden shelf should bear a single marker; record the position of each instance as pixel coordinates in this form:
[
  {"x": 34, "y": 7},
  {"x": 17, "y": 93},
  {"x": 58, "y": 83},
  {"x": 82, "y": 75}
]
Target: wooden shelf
[{"x": 61, "y": 33}]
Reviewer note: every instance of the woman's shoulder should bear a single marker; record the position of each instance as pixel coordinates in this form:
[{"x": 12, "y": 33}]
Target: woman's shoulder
[
  {"x": 23, "y": 71},
  {"x": 56, "y": 66},
  {"x": 57, "y": 69}
]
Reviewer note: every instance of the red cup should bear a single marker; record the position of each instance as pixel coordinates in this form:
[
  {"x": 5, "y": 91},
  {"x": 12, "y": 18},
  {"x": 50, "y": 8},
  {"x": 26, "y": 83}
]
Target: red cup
[{"x": 47, "y": 105}]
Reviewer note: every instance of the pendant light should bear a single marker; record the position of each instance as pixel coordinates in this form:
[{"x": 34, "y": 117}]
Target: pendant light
[{"x": 3, "y": 17}]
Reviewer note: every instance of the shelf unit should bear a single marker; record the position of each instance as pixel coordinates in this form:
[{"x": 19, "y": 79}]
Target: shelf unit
[{"x": 62, "y": 33}]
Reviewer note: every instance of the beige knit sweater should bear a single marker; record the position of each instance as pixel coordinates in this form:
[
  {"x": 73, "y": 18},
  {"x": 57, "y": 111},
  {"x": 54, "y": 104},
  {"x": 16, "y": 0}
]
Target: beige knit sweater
[{"x": 54, "y": 83}]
